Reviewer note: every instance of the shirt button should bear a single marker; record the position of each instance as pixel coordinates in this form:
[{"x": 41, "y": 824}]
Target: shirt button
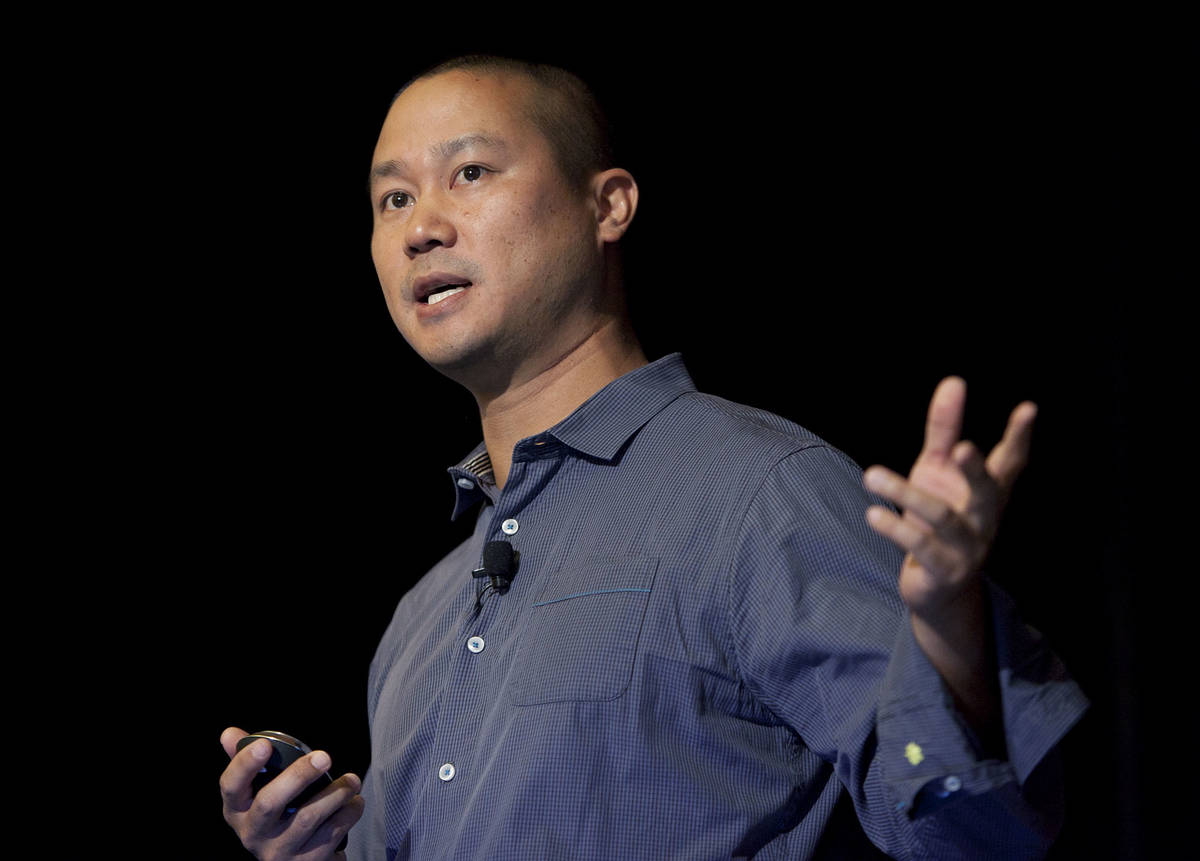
[
  {"x": 446, "y": 772},
  {"x": 510, "y": 526},
  {"x": 952, "y": 784},
  {"x": 475, "y": 644},
  {"x": 465, "y": 484}
]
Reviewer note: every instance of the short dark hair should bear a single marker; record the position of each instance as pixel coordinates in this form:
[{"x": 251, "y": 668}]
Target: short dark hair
[{"x": 562, "y": 108}]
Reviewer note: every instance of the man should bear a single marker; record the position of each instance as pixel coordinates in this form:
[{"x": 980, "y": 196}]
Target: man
[{"x": 695, "y": 645}]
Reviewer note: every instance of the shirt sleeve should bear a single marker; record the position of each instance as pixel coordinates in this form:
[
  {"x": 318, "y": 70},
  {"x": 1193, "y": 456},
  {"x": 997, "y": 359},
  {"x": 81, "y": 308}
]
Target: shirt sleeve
[{"x": 821, "y": 637}]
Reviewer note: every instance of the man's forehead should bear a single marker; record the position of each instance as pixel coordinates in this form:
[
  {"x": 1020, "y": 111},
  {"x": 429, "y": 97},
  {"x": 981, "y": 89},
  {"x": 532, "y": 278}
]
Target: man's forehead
[
  {"x": 464, "y": 94},
  {"x": 444, "y": 114}
]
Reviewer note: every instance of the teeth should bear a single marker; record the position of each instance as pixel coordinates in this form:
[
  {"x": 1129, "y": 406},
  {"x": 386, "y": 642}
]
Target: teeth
[{"x": 434, "y": 298}]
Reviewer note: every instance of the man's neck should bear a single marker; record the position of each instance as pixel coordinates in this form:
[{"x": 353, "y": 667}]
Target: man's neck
[{"x": 540, "y": 402}]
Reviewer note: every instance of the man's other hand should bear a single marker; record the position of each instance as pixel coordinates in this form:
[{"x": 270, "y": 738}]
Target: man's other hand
[{"x": 313, "y": 832}]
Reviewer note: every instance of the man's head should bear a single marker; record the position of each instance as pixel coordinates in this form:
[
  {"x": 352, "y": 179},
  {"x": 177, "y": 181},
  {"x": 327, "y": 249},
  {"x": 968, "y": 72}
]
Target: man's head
[
  {"x": 560, "y": 105},
  {"x": 494, "y": 253}
]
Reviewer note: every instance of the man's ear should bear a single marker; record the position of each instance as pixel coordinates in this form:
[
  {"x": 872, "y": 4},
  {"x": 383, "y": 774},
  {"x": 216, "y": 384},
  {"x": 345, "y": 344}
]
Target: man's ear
[{"x": 616, "y": 195}]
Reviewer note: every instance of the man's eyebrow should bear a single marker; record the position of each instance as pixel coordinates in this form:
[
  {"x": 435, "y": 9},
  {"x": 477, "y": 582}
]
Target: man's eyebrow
[
  {"x": 386, "y": 169},
  {"x": 447, "y": 149},
  {"x": 450, "y": 148}
]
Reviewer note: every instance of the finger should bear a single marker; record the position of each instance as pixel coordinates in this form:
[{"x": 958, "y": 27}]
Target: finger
[
  {"x": 236, "y": 792},
  {"x": 323, "y": 821},
  {"x": 984, "y": 502},
  {"x": 334, "y": 828},
  {"x": 1010, "y": 455},
  {"x": 943, "y": 425},
  {"x": 944, "y": 561},
  {"x": 969, "y": 460},
  {"x": 940, "y": 558},
  {"x": 891, "y": 485},
  {"x": 940, "y": 517},
  {"x": 273, "y": 799},
  {"x": 230, "y": 737}
]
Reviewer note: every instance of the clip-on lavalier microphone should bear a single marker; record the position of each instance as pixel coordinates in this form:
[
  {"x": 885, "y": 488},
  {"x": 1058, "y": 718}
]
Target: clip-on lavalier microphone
[{"x": 499, "y": 566}]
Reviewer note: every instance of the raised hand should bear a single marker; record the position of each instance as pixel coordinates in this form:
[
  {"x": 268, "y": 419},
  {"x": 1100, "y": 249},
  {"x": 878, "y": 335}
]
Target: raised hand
[{"x": 952, "y": 501}]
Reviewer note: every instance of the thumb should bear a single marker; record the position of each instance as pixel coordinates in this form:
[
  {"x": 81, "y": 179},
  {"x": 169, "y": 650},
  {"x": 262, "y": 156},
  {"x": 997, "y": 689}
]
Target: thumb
[{"x": 230, "y": 737}]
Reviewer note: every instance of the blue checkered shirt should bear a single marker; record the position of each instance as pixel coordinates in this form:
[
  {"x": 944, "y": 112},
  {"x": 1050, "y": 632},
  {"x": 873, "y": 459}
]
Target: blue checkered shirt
[{"x": 702, "y": 650}]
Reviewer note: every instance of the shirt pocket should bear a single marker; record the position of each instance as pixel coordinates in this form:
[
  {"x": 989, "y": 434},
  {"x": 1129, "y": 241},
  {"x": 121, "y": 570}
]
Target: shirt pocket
[{"x": 583, "y": 631}]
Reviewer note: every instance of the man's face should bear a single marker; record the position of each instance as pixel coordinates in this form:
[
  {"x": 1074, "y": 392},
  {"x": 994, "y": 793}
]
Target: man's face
[{"x": 490, "y": 263}]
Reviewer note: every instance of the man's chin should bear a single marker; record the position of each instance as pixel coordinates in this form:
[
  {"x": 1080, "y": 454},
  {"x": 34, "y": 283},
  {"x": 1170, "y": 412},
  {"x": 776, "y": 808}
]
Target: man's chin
[{"x": 476, "y": 368}]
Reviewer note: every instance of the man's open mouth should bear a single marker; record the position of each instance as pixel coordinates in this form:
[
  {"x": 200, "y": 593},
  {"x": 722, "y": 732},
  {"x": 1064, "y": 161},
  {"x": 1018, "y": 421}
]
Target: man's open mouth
[
  {"x": 435, "y": 287},
  {"x": 444, "y": 291}
]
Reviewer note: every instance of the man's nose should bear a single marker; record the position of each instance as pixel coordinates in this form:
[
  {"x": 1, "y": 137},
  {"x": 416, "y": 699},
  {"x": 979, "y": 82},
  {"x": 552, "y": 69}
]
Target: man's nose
[{"x": 428, "y": 227}]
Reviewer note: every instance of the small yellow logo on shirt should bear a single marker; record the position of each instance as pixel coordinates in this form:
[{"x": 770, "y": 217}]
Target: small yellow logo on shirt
[{"x": 912, "y": 752}]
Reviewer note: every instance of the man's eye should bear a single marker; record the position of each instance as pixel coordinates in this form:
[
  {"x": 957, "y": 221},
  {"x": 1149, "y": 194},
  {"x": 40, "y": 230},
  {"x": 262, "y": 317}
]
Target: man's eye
[
  {"x": 397, "y": 200},
  {"x": 472, "y": 173}
]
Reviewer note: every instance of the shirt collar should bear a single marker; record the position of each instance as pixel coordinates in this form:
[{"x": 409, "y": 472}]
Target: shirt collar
[
  {"x": 603, "y": 423},
  {"x": 473, "y": 479},
  {"x": 598, "y": 428}
]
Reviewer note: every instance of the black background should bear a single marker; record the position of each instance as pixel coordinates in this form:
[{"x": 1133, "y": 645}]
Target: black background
[{"x": 246, "y": 463}]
